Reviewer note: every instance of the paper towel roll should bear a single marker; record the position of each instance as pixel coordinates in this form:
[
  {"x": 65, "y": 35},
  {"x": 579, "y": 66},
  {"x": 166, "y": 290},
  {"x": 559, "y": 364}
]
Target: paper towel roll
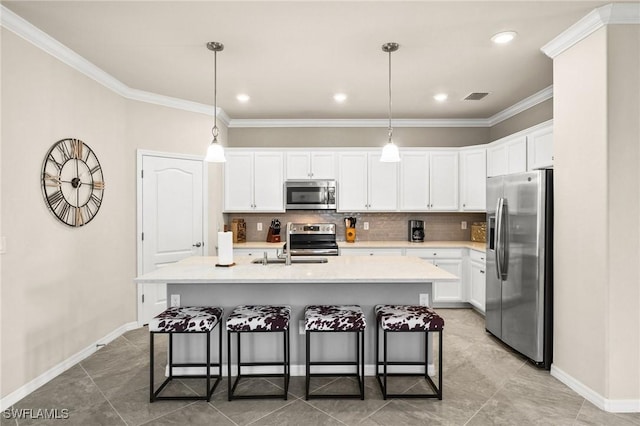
[{"x": 225, "y": 248}]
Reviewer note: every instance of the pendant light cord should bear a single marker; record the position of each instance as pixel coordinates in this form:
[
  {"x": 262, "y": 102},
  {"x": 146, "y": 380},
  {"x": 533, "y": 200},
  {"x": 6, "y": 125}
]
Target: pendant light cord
[
  {"x": 214, "y": 131},
  {"x": 390, "y": 128}
]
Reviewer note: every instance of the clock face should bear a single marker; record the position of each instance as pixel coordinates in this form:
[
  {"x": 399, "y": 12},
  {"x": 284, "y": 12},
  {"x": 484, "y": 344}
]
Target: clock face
[{"x": 72, "y": 182}]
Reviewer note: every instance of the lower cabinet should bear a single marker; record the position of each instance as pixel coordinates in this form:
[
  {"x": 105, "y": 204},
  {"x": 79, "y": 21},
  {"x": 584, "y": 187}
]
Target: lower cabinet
[
  {"x": 445, "y": 292},
  {"x": 255, "y": 252},
  {"x": 477, "y": 280}
]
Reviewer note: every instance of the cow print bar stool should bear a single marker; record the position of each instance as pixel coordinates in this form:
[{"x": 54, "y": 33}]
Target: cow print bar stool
[
  {"x": 408, "y": 318},
  {"x": 188, "y": 320},
  {"x": 331, "y": 319},
  {"x": 258, "y": 319}
]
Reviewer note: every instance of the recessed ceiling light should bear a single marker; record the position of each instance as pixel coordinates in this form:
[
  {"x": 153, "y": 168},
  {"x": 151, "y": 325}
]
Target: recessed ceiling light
[
  {"x": 340, "y": 97},
  {"x": 243, "y": 97},
  {"x": 504, "y": 37},
  {"x": 440, "y": 97}
]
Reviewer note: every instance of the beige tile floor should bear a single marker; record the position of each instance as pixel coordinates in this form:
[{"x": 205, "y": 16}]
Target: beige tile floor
[{"x": 484, "y": 383}]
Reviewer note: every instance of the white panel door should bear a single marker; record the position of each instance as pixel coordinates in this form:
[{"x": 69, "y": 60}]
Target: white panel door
[
  {"x": 444, "y": 180},
  {"x": 352, "y": 181},
  {"x": 172, "y": 221},
  {"x": 414, "y": 181},
  {"x": 238, "y": 181},
  {"x": 298, "y": 165},
  {"x": 383, "y": 184},
  {"x": 540, "y": 148},
  {"x": 517, "y": 155},
  {"x": 323, "y": 165},
  {"x": 268, "y": 181},
  {"x": 473, "y": 179},
  {"x": 449, "y": 291}
]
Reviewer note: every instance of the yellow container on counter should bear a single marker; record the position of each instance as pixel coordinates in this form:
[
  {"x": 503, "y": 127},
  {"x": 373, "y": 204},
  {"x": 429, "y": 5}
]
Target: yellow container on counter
[{"x": 350, "y": 235}]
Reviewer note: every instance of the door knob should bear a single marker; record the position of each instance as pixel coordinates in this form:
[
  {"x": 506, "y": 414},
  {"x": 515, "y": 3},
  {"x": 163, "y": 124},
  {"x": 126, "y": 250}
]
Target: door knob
[{"x": 198, "y": 244}]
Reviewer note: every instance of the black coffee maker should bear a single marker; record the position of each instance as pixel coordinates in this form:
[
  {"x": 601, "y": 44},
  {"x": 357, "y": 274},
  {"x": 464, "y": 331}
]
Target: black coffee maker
[{"x": 416, "y": 231}]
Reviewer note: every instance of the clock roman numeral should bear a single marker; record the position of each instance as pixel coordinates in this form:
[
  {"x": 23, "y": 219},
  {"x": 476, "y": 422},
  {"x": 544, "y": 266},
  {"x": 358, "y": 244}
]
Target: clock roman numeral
[
  {"x": 76, "y": 148},
  {"x": 79, "y": 217},
  {"x": 54, "y": 161},
  {"x": 64, "y": 211},
  {"x": 52, "y": 180},
  {"x": 95, "y": 168},
  {"x": 55, "y": 199},
  {"x": 64, "y": 151}
]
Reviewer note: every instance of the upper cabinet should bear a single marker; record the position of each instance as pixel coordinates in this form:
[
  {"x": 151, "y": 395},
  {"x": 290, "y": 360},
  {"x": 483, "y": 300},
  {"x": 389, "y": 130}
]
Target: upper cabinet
[
  {"x": 443, "y": 180},
  {"x": 429, "y": 180},
  {"x": 529, "y": 149},
  {"x": 310, "y": 165},
  {"x": 540, "y": 148},
  {"x": 366, "y": 184},
  {"x": 253, "y": 181},
  {"x": 507, "y": 155},
  {"x": 473, "y": 179}
]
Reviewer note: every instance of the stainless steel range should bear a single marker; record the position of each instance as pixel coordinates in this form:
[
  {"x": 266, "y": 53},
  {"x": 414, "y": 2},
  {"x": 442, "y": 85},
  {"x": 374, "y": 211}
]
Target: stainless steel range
[{"x": 313, "y": 239}]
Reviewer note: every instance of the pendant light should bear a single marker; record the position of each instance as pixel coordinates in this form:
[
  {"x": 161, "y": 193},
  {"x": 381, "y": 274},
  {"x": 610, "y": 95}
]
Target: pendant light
[
  {"x": 215, "y": 152},
  {"x": 390, "y": 152}
]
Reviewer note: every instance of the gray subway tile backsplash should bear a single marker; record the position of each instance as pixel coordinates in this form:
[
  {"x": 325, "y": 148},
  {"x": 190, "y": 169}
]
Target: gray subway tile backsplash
[{"x": 382, "y": 226}]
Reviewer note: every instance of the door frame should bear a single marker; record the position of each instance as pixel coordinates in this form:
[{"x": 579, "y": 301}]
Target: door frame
[{"x": 140, "y": 154}]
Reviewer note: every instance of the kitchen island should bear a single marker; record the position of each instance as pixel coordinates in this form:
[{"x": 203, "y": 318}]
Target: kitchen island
[{"x": 365, "y": 281}]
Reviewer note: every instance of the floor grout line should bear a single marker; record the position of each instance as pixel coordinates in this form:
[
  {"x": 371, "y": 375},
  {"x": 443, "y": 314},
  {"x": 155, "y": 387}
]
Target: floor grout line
[
  {"x": 103, "y": 394},
  {"x": 223, "y": 414}
]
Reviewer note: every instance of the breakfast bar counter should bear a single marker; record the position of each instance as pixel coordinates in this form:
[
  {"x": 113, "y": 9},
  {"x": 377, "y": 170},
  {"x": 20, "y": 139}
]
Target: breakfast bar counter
[{"x": 365, "y": 281}]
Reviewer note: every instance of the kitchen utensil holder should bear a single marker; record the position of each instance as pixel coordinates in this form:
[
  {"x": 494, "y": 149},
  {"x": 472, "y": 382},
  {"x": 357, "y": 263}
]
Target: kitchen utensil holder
[{"x": 350, "y": 235}]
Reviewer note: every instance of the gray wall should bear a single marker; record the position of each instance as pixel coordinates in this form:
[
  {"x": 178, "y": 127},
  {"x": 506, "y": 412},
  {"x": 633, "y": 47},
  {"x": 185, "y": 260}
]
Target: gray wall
[{"x": 530, "y": 117}]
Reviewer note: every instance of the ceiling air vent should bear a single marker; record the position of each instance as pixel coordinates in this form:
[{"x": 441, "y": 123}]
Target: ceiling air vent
[{"x": 475, "y": 96}]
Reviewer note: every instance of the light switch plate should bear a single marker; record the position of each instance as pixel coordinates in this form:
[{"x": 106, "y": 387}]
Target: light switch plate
[
  {"x": 259, "y": 226},
  {"x": 424, "y": 299},
  {"x": 175, "y": 300}
]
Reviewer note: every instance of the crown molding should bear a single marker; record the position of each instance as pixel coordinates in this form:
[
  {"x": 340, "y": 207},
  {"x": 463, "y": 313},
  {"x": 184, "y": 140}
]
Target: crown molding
[
  {"x": 611, "y": 14},
  {"x": 374, "y": 122},
  {"x": 53, "y": 47},
  {"x": 523, "y": 105},
  {"x": 42, "y": 40}
]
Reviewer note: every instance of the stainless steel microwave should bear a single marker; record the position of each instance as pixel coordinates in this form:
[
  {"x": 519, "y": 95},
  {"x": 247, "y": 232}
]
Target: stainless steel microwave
[{"x": 310, "y": 194}]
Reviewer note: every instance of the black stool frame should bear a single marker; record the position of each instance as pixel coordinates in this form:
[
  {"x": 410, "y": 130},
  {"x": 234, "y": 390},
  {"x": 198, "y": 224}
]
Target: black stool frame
[
  {"x": 382, "y": 378},
  {"x": 154, "y": 395},
  {"x": 359, "y": 363},
  {"x": 286, "y": 366}
]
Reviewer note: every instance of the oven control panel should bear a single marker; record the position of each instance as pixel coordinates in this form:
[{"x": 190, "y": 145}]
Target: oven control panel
[{"x": 313, "y": 228}]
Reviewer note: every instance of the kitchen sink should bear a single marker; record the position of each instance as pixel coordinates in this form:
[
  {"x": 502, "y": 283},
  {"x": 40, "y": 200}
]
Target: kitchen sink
[{"x": 273, "y": 261}]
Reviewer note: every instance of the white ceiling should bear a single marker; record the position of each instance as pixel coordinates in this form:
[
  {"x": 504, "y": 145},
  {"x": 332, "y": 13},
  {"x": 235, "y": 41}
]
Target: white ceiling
[{"x": 292, "y": 56}]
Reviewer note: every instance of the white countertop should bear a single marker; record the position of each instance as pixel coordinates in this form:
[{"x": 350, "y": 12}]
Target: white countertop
[
  {"x": 338, "y": 269},
  {"x": 376, "y": 244}
]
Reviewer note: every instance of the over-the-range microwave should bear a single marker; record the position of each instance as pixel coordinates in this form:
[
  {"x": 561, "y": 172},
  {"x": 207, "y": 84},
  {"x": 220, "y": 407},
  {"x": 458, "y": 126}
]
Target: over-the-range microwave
[{"x": 310, "y": 194}]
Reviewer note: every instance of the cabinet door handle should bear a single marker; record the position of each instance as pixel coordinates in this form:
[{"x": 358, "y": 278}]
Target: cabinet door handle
[
  {"x": 198, "y": 244},
  {"x": 481, "y": 271}
]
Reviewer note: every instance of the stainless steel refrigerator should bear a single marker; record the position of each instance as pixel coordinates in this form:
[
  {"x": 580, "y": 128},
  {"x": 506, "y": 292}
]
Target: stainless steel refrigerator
[{"x": 519, "y": 299}]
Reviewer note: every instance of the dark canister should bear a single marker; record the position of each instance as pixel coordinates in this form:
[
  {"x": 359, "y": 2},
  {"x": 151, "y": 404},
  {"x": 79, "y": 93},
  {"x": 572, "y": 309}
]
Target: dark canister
[{"x": 416, "y": 231}]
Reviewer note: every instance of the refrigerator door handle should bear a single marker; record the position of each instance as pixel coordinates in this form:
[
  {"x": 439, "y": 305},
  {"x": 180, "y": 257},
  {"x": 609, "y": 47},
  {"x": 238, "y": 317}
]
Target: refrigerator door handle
[
  {"x": 504, "y": 241},
  {"x": 498, "y": 237}
]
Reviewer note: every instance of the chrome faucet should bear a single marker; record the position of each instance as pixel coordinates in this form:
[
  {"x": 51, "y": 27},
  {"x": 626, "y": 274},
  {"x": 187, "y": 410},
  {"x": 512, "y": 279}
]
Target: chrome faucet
[{"x": 287, "y": 253}]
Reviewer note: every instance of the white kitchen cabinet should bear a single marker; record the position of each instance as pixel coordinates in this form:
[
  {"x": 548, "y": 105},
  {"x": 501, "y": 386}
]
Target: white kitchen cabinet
[
  {"x": 445, "y": 292},
  {"x": 477, "y": 280},
  {"x": 443, "y": 180},
  {"x": 254, "y": 181},
  {"x": 414, "y": 181},
  {"x": 366, "y": 184},
  {"x": 371, "y": 251},
  {"x": 257, "y": 253},
  {"x": 429, "y": 180},
  {"x": 310, "y": 165},
  {"x": 507, "y": 155},
  {"x": 540, "y": 148},
  {"x": 473, "y": 179}
]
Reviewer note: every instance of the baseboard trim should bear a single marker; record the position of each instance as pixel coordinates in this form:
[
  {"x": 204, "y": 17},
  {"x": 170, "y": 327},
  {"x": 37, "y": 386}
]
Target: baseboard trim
[
  {"x": 609, "y": 405},
  {"x": 55, "y": 371}
]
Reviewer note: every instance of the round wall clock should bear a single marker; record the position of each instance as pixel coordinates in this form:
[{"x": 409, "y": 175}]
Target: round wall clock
[{"x": 72, "y": 182}]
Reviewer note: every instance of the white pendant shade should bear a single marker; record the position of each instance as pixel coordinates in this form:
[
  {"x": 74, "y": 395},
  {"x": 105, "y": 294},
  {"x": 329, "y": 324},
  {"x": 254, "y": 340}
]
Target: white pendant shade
[
  {"x": 215, "y": 153},
  {"x": 390, "y": 153}
]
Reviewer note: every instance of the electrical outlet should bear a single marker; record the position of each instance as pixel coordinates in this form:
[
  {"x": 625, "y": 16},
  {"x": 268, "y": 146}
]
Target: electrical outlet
[
  {"x": 424, "y": 299},
  {"x": 366, "y": 226},
  {"x": 301, "y": 327},
  {"x": 175, "y": 300},
  {"x": 463, "y": 224},
  {"x": 259, "y": 226}
]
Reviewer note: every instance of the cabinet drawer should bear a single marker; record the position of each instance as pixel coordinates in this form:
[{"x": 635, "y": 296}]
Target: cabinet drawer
[
  {"x": 477, "y": 256},
  {"x": 254, "y": 252},
  {"x": 370, "y": 252},
  {"x": 435, "y": 253}
]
